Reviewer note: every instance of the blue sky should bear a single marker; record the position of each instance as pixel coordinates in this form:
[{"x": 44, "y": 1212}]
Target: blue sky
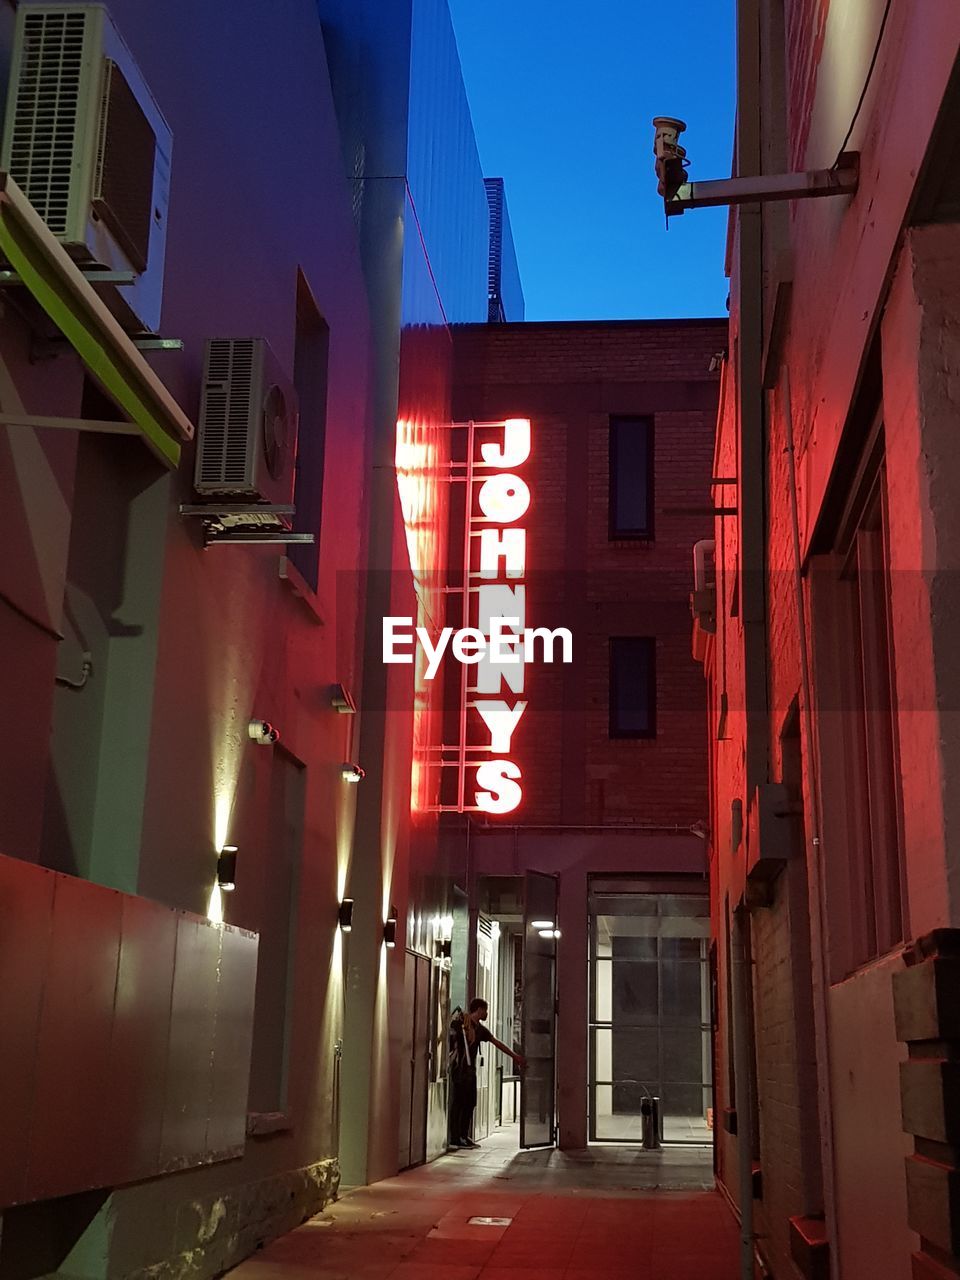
[{"x": 562, "y": 96}]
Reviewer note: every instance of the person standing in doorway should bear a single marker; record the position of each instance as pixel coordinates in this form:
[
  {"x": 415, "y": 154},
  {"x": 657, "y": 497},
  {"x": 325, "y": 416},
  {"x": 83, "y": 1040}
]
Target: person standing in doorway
[{"x": 467, "y": 1034}]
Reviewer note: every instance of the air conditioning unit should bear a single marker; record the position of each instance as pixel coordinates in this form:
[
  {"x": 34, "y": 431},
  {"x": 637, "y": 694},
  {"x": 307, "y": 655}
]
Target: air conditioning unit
[
  {"x": 87, "y": 144},
  {"x": 247, "y": 432}
]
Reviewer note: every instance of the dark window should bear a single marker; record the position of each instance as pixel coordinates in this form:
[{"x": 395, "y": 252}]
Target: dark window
[
  {"x": 310, "y": 379},
  {"x": 633, "y": 687},
  {"x": 873, "y": 737},
  {"x": 858, "y": 723},
  {"x": 631, "y": 477}
]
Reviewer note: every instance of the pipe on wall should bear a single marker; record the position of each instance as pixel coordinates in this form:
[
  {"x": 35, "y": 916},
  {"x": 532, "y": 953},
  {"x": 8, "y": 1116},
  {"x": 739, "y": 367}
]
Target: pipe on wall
[{"x": 821, "y": 981}]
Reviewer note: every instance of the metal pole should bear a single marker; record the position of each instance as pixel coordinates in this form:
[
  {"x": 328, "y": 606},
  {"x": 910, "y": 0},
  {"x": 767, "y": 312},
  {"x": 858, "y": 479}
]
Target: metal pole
[{"x": 743, "y": 1069}]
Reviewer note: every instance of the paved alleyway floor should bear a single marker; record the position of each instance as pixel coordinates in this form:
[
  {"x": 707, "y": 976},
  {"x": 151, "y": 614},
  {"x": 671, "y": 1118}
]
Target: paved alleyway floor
[{"x": 607, "y": 1213}]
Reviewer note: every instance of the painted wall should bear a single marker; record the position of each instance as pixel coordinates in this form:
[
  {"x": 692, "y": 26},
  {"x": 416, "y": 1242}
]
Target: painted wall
[
  {"x": 411, "y": 158},
  {"x": 839, "y": 375},
  {"x": 189, "y": 643}
]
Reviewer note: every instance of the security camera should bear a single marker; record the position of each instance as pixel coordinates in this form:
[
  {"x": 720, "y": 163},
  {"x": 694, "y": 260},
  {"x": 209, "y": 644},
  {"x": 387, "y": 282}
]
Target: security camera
[
  {"x": 263, "y": 733},
  {"x": 351, "y": 772},
  {"x": 671, "y": 163}
]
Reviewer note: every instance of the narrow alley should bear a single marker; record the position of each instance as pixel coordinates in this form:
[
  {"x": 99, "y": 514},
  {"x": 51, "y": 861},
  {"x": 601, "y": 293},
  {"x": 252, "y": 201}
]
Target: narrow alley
[
  {"x": 480, "y": 780},
  {"x": 606, "y": 1213}
]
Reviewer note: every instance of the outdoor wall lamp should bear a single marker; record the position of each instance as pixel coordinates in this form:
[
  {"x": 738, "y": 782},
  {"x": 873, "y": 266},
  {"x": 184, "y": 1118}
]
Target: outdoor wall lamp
[
  {"x": 351, "y": 772},
  {"x": 227, "y": 868},
  {"x": 549, "y": 933},
  {"x": 345, "y": 915},
  {"x": 541, "y": 924},
  {"x": 390, "y": 928}
]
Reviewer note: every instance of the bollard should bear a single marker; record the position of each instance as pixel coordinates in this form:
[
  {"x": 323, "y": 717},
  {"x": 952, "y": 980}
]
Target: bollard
[{"x": 650, "y": 1123}]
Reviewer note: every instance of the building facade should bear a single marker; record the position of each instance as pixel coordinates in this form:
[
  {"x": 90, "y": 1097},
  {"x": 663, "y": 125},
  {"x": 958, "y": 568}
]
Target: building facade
[
  {"x": 421, "y": 208},
  {"x": 614, "y": 804},
  {"x": 830, "y": 685},
  {"x": 197, "y": 685}
]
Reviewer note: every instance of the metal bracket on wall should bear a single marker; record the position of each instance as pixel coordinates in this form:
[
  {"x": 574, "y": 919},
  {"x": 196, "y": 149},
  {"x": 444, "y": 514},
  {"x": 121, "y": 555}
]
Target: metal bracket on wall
[
  {"x": 246, "y": 523},
  {"x": 842, "y": 180}
]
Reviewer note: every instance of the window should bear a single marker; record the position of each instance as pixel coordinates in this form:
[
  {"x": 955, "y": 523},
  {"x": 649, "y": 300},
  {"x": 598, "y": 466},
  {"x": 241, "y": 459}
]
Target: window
[
  {"x": 633, "y": 687},
  {"x": 860, "y": 769},
  {"x": 631, "y": 478},
  {"x": 310, "y": 379}
]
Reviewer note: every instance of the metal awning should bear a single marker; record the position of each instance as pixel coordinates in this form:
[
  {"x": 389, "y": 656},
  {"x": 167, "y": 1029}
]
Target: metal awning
[{"x": 70, "y": 300}]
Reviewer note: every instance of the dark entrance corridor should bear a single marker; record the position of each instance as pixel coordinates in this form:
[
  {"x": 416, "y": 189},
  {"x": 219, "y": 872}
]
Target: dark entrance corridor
[{"x": 601, "y": 1214}]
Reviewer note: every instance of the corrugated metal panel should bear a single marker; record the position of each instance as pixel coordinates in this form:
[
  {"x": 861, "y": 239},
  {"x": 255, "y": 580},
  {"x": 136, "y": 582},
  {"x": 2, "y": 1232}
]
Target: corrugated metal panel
[
  {"x": 26, "y": 919},
  {"x": 141, "y": 1031},
  {"x": 126, "y": 1032},
  {"x": 71, "y": 1133},
  {"x": 190, "y": 1056}
]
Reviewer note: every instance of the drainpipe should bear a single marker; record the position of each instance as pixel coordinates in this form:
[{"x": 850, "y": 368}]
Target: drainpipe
[
  {"x": 822, "y": 976},
  {"x": 743, "y": 1071},
  {"x": 752, "y": 520}
]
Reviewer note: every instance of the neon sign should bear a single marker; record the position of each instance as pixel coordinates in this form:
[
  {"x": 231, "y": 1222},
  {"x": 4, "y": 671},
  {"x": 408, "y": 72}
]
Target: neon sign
[
  {"x": 493, "y": 643},
  {"x": 496, "y": 698}
]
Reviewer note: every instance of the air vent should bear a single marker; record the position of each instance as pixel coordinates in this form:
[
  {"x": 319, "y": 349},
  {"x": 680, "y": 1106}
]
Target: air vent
[
  {"x": 47, "y": 108},
  {"x": 247, "y": 433},
  {"x": 126, "y": 157},
  {"x": 87, "y": 144}
]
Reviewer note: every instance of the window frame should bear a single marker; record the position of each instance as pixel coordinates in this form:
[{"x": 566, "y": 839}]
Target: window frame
[
  {"x": 614, "y": 732},
  {"x": 860, "y": 778},
  {"x": 615, "y": 532}
]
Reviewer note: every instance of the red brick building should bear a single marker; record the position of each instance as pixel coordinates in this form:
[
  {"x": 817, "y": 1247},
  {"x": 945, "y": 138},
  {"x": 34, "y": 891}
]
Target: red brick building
[
  {"x": 610, "y": 747},
  {"x": 832, "y": 675}
]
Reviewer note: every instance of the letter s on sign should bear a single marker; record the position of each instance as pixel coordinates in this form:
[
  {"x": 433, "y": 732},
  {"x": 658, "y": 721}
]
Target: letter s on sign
[{"x": 502, "y": 794}]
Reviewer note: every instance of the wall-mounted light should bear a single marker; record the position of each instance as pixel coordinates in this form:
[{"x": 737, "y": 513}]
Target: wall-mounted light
[
  {"x": 345, "y": 915},
  {"x": 351, "y": 772},
  {"x": 549, "y": 933},
  {"x": 444, "y": 948},
  {"x": 446, "y": 927},
  {"x": 263, "y": 733},
  {"x": 227, "y": 868},
  {"x": 541, "y": 924},
  {"x": 390, "y": 928},
  {"x": 341, "y": 700}
]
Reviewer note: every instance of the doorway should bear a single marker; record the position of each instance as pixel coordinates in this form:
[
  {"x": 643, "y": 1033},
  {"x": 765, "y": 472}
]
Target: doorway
[
  {"x": 650, "y": 1020},
  {"x": 415, "y": 1058},
  {"x": 487, "y": 1114}
]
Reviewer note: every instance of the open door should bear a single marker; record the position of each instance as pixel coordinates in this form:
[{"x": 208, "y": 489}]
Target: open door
[{"x": 538, "y": 1036}]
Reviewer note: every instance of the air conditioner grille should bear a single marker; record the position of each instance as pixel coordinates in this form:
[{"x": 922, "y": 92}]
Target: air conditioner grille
[
  {"x": 46, "y": 112},
  {"x": 227, "y": 425},
  {"x": 123, "y": 190}
]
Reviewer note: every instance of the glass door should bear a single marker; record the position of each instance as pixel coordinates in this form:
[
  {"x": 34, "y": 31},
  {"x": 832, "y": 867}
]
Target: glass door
[
  {"x": 486, "y": 989},
  {"x": 538, "y": 1112},
  {"x": 650, "y": 1020}
]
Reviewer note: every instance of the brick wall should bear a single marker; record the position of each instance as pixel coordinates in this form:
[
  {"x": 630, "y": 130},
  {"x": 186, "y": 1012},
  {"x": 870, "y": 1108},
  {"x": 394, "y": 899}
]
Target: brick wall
[{"x": 569, "y": 378}]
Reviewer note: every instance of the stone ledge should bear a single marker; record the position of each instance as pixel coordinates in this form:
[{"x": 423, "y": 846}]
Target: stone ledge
[{"x": 216, "y": 1235}]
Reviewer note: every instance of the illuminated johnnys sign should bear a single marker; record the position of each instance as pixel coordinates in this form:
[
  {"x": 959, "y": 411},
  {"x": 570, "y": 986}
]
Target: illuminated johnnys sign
[
  {"x": 494, "y": 520},
  {"x": 493, "y": 644}
]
